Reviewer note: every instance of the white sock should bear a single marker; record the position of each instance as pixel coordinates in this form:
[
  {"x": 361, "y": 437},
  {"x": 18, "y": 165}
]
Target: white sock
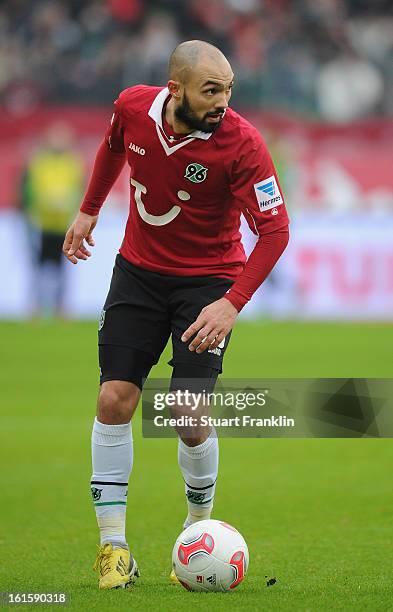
[
  {"x": 199, "y": 466},
  {"x": 112, "y": 456}
]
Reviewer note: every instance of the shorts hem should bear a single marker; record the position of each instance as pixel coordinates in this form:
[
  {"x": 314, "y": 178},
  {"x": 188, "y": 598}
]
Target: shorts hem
[{"x": 121, "y": 378}]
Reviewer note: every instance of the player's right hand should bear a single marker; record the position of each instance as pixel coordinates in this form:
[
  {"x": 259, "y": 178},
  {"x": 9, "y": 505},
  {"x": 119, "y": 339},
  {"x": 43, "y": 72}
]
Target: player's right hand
[{"x": 74, "y": 246}]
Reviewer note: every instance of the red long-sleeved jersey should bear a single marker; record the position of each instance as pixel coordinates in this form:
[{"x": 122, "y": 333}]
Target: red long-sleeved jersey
[{"x": 187, "y": 194}]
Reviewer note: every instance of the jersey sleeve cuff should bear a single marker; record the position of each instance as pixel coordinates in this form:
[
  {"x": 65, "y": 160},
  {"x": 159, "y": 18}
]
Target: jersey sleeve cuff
[
  {"x": 236, "y": 299},
  {"x": 89, "y": 209}
]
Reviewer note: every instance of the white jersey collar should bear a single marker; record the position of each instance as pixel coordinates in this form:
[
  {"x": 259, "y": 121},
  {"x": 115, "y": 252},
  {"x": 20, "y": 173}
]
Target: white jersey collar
[{"x": 155, "y": 112}]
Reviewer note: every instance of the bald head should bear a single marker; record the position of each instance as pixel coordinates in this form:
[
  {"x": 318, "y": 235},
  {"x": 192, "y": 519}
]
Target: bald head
[
  {"x": 200, "y": 84},
  {"x": 187, "y": 56}
]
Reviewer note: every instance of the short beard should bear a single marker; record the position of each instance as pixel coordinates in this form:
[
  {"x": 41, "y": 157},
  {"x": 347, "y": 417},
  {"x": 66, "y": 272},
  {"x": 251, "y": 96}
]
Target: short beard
[{"x": 186, "y": 115}]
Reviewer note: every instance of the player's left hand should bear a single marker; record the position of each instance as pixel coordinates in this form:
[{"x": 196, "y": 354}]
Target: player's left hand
[{"x": 214, "y": 322}]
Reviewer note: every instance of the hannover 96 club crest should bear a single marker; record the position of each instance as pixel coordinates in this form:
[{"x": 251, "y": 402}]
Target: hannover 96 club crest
[{"x": 196, "y": 173}]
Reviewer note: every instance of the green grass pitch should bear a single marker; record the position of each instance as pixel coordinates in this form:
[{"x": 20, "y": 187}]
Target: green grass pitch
[{"x": 317, "y": 514}]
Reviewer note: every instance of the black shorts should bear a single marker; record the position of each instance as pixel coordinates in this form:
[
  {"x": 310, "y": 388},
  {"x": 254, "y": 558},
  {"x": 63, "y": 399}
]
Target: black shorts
[{"x": 142, "y": 310}]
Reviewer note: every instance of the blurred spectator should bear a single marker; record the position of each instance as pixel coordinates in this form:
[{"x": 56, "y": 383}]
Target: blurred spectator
[
  {"x": 51, "y": 190},
  {"x": 147, "y": 57},
  {"x": 349, "y": 88},
  {"x": 286, "y": 53}
]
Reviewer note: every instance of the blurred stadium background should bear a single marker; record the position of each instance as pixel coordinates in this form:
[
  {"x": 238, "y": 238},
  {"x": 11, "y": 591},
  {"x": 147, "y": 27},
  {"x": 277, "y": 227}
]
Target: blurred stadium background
[{"x": 315, "y": 77}]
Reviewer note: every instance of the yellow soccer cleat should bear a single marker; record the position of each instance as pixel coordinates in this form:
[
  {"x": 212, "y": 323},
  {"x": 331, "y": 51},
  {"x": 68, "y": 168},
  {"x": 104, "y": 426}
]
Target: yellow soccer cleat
[
  {"x": 173, "y": 578},
  {"x": 116, "y": 566}
]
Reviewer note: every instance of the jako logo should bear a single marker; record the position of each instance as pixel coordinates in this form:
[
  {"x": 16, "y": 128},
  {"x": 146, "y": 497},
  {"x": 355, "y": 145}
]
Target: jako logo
[{"x": 136, "y": 149}]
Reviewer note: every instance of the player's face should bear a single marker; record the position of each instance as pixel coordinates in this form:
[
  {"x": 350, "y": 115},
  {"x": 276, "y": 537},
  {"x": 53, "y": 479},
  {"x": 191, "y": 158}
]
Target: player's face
[{"x": 205, "y": 98}]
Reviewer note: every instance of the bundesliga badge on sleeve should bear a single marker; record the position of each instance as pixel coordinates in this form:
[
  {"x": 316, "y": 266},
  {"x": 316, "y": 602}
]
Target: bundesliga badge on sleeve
[{"x": 268, "y": 193}]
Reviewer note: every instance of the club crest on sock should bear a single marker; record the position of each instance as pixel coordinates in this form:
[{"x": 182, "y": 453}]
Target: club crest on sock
[
  {"x": 96, "y": 493},
  {"x": 194, "y": 497}
]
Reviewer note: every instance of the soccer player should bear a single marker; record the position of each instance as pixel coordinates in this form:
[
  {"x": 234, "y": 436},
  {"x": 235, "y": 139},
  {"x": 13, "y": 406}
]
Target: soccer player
[{"x": 195, "y": 166}]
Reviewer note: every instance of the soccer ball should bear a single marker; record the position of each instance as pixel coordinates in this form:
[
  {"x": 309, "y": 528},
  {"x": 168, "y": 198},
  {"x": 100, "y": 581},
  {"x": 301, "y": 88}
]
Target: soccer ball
[{"x": 210, "y": 556}]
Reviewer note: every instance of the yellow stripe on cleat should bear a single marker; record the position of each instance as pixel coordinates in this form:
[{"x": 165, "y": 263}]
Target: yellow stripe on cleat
[{"x": 173, "y": 578}]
